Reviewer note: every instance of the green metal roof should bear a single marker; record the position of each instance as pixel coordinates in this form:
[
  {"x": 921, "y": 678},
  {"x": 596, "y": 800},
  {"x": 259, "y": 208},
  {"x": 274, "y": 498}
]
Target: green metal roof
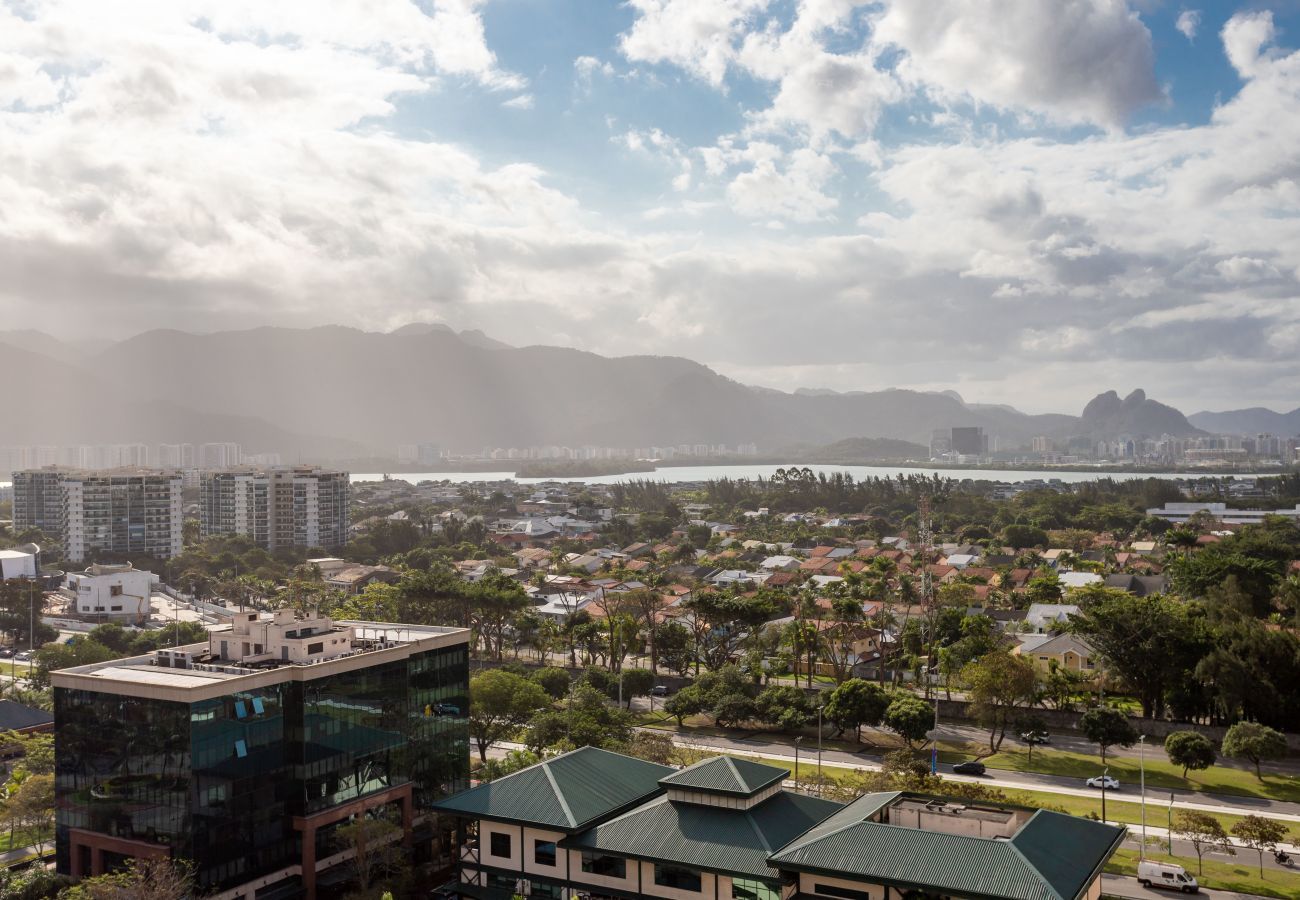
[
  {"x": 714, "y": 838},
  {"x": 565, "y": 793},
  {"x": 1052, "y": 856},
  {"x": 725, "y": 775}
]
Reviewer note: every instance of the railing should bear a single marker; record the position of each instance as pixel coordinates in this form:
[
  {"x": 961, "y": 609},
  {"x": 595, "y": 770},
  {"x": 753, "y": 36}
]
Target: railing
[{"x": 469, "y": 853}]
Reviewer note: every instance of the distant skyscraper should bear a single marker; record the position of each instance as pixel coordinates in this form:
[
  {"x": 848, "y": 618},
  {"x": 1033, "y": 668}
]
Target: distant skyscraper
[
  {"x": 970, "y": 441},
  {"x": 219, "y": 456},
  {"x": 38, "y": 501}
]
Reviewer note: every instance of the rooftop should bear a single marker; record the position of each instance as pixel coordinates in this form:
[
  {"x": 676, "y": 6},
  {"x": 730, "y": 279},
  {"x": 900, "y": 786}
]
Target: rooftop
[
  {"x": 193, "y": 672},
  {"x": 725, "y": 775},
  {"x": 567, "y": 792}
]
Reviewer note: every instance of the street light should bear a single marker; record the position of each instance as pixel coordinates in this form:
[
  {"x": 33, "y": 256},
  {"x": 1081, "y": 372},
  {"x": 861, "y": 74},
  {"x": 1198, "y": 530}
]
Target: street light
[
  {"x": 1105, "y": 774},
  {"x": 820, "y": 707},
  {"x": 797, "y": 742},
  {"x": 1142, "y": 791}
]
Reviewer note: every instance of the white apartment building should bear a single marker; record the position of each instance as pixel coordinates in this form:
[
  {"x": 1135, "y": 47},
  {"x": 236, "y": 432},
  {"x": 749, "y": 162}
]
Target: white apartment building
[
  {"x": 297, "y": 506},
  {"x": 116, "y": 593},
  {"x": 1179, "y": 513},
  {"x": 176, "y": 456},
  {"x": 123, "y": 512}
]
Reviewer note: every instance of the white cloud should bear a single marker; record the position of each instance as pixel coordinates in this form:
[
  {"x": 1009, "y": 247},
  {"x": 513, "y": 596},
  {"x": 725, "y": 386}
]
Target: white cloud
[
  {"x": 699, "y": 36},
  {"x": 1070, "y": 60},
  {"x": 794, "y": 190},
  {"x": 522, "y": 101},
  {"x": 1189, "y": 20},
  {"x": 1246, "y": 37}
]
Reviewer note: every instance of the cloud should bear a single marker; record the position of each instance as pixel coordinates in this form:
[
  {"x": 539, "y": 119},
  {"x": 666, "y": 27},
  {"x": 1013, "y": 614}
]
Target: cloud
[
  {"x": 1246, "y": 37},
  {"x": 1189, "y": 20},
  {"x": 1072, "y": 61},
  {"x": 522, "y": 101},
  {"x": 794, "y": 188},
  {"x": 696, "y": 35}
]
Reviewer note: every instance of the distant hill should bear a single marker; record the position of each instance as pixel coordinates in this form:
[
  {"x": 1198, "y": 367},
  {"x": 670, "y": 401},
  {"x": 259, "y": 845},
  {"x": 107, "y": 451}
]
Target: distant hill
[
  {"x": 334, "y": 392},
  {"x": 1255, "y": 420},
  {"x": 859, "y": 449},
  {"x": 1106, "y": 415}
]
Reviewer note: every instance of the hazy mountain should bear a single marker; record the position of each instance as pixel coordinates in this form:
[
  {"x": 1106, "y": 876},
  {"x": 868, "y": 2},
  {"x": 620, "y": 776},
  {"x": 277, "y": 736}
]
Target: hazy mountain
[
  {"x": 56, "y": 403},
  {"x": 1255, "y": 420},
  {"x": 40, "y": 342},
  {"x": 1106, "y": 415},
  {"x": 363, "y": 392},
  {"x": 857, "y": 449}
]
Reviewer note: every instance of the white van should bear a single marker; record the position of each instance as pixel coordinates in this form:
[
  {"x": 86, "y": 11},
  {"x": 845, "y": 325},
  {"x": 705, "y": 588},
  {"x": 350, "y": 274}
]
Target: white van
[{"x": 1166, "y": 875}]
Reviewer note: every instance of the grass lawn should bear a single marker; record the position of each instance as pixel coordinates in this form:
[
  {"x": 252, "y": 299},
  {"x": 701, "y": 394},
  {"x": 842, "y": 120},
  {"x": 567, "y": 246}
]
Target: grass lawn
[
  {"x": 21, "y": 839},
  {"x": 1160, "y": 772},
  {"x": 1240, "y": 874}
]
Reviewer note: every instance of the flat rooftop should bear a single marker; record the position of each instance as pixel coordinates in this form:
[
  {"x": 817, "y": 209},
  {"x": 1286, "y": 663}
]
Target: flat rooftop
[{"x": 145, "y": 675}]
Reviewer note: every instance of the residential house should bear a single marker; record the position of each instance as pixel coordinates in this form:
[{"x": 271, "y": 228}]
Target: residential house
[{"x": 1049, "y": 617}]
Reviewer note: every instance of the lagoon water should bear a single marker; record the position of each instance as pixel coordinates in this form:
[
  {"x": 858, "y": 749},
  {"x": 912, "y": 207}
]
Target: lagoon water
[{"x": 706, "y": 473}]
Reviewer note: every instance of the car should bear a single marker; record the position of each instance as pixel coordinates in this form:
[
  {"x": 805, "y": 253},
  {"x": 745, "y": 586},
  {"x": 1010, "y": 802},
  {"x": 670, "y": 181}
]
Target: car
[
  {"x": 969, "y": 767},
  {"x": 1036, "y": 737},
  {"x": 23, "y": 655},
  {"x": 1105, "y": 782},
  {"x": 659, "y": 690},
  {"x": 1166, "y": 875},
  {"x": 6, "y": 652}
]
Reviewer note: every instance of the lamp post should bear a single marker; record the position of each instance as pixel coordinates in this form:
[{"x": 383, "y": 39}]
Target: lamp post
[
  {"x": 1105, "y": 773},
  {"x": 1142, "y": 791},
  {"x": 820, "y": 707},
  {"x": 797, "y": 742}
]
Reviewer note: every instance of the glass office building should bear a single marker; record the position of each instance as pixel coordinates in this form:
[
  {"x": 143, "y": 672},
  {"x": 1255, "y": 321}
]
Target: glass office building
[{"x": 246, "y": 771}]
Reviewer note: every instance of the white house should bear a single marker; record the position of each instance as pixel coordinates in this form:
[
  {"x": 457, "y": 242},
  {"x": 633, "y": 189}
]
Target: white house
[
  {"x": 1071, "y": 580},
  {"x": 780, "y": 563},
  {"x": 1044, "y": 617},
  {"x": 17, "y": 564},
  {"x": 112, "y": 592}
]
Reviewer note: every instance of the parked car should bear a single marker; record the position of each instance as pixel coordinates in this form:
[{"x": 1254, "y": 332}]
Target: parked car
[
  {"x": 969, "y": 767},
  {"x": 6, "y": 652},
  {"x": 1103, "y": 781},
  {"x": 660, "y": 690},
  {"x": 1166, "y": 875},
  {"x": 1036, "y": 737},
  {"x": 23, "y": 655}
]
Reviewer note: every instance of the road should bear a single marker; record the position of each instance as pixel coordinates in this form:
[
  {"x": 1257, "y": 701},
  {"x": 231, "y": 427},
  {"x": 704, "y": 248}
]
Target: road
[
  {"x": 1056, "y": 784},
  {"x": 1127, "y": 886}
]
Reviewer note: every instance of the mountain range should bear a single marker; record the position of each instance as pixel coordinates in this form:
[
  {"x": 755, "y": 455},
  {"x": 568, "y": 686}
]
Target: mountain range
[{"x": 333, "y": 392}]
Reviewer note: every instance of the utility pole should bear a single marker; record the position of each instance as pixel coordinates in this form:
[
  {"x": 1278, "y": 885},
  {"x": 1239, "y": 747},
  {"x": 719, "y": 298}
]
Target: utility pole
[
  {"x": 797, "y": 742},
  {"x": 1142, "y": 790},
  {"x": 820, "y": 707}
]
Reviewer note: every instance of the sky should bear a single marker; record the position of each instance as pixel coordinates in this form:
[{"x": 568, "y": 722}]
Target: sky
[{"x": 1029, "y": 201}]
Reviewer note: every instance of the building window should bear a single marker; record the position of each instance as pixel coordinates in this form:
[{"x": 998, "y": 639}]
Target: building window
[
  {"x": 544, "y": 852},
  {"x": 677, "y": 877},
  {"x": 599, "y": 864},
  {"x": 830, "y": 890},
  {"x": 500, "y": 845},
  {"x": 115, "y": 590},
  {"x": 241, "y": 749},
  {"x": 742, "y": 889},
  {"x": 315, "y": 648}
]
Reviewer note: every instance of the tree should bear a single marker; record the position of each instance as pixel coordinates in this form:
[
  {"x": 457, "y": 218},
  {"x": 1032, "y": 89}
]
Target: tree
[
  {"x": 1255, "y": 742},
  {"x": 1107, "y": 727},
  {"x": 585, "y": 719},
  {"x": 1000, "y": 683},
  {"x": 784, "y": 706},
  {"x": 30, "y": 807},
  {"x": 1023, "y": 536},
  {"x": 1259, "y": 834},
  {"x": 910, "y": 718},
  {"x": 636, "y": 683},
  {"x": 1204, "y": 832},
  {"x": 141, "y": 879},
  {"x": 1190, "y": 749},
  {"x": 689, "y": 701},
  {"x": 553, "y": 680},
  {"x": 500, "y": 703},
  {"x": 855, "y": 703},
  {"x": 1151, "y": 643},
  {"x": 1031, "y": 723}
]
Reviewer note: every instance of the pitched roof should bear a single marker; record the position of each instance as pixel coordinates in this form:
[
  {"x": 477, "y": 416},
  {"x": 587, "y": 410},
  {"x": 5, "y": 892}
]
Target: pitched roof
[
  {"x": 1051, "y": 857},
  {"x": 725, "y": 775},
  {"x": 567, "y": 792},
  {"x": 720, "y": 839}
]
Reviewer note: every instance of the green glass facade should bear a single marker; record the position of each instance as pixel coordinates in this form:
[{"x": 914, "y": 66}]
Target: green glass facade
[{"x": 220, "y": 781}]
